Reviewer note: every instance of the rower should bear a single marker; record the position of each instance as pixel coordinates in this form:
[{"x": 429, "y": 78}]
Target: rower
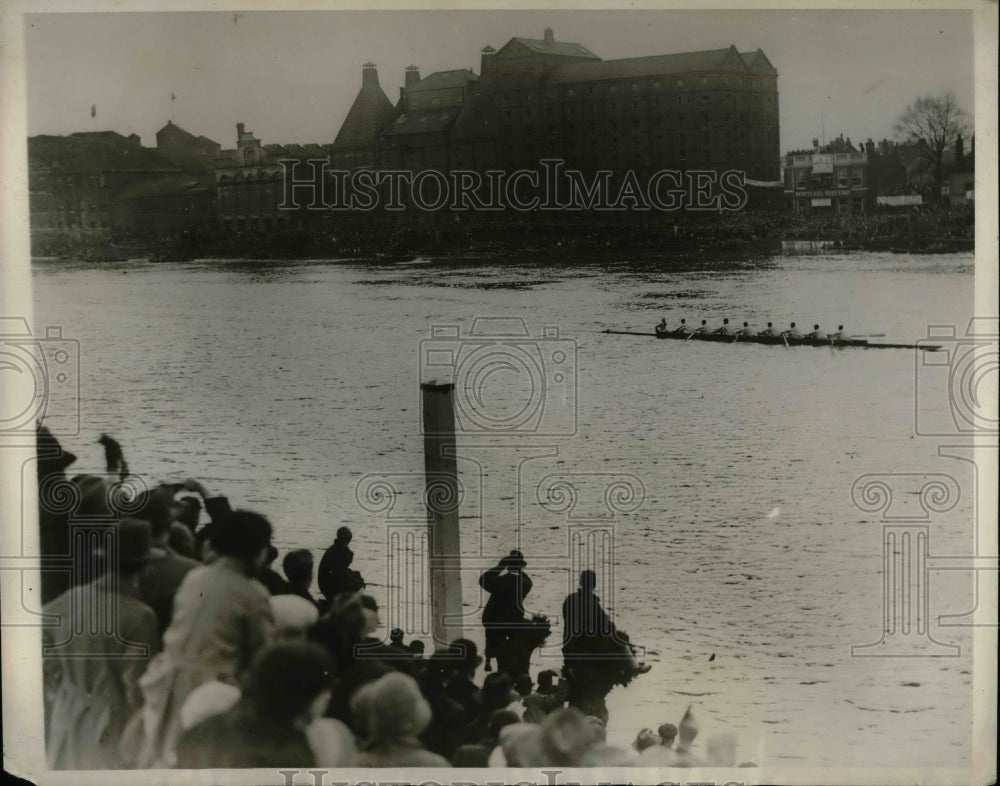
[
  {"x": 817, "y": 334},
  {"x": 840, "y": 335},
  {"x": 661, "y": 326},
  {"x": 725, "y": 330},
  {"x": 682, "y": 328},
  {"x": 746, "y": 330},
  {"x": 702, "y": 328},
  {"x": 769, "y": 331},
  {"x": 792, "y": 332}
]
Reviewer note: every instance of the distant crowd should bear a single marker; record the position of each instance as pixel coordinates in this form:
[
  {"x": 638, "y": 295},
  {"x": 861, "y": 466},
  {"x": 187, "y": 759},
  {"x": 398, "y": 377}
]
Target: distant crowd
[{"x": 177, "y": 643}]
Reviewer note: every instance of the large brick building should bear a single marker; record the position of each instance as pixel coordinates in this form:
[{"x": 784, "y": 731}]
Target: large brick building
[{"x": 543, "y": 98}]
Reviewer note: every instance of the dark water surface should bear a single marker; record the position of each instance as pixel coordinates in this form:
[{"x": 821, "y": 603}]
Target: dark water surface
[{"x": 283, "y": 385}]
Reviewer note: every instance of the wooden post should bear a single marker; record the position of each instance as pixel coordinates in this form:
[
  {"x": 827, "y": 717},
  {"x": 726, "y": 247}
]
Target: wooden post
[{"x": 441, "y": 485}]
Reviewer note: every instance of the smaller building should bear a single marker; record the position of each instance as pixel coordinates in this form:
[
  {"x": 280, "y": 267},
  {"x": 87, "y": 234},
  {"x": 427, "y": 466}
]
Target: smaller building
[
  {"x": 832, "y": 178},
  {"x": 960, "y": 186},
  {"x": 250, "y": 184}
]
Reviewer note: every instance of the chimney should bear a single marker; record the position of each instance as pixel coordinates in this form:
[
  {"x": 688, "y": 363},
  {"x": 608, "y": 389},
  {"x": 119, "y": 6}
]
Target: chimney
[
  {"x": 959, "y": 151},
  {"x": 486, "y": 62},
  {"x": 411, "y": 76},
  {"x": 369, "y": 74},
  {"x": 239, "y": 131},
  {"x": 815, "y": 144},
  {"x": 549, "y": 37}
]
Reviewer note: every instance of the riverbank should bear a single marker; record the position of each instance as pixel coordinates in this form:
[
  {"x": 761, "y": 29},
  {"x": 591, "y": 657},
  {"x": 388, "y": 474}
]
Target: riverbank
[{"x": 922, "y": 230}]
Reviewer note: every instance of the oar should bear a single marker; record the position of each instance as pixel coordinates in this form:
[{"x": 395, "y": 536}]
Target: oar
[
  {"x": 735, "y": 339},
  {"x": 868, "y": 335},
  {"x": 785, "y": 339},
  {"x": 627, "y": 333}
]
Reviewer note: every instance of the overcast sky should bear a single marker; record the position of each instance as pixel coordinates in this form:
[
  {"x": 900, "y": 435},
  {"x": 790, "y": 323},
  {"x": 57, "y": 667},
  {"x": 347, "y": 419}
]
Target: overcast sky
[{"x": 291, "y": 76}]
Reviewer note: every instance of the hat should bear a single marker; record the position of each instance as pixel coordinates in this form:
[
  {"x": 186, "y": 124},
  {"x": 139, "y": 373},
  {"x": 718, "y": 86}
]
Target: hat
[
  {"x": 51, "y": 456},
  {"x": 645, "y": 739},
  {"x": 515, "y": 559},
  {"x": 135, "y": 543},
  {"x": 293, "y": 613},
  {"x": 396, "y": 635},
  {"x": 497, "y": 691},
  {"x": 500, "y": 720},
  {"x": 465, "y": 654},
  {"x": 521, "y": 745},
  {"x": 394, "y": 706},
  {"x": 208, "y": 699},
  {"x": 667, "y": 732},
  {"x": 565, "y": 735}
]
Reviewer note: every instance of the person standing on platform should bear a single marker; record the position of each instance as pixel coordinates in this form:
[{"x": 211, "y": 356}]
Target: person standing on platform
[
  {"x": 507, "y": 585},
  {"x": 596, "y": 654}
]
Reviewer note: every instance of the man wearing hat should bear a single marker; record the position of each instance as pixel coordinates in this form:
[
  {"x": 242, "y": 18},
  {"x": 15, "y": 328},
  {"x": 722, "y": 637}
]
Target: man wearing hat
[
  {"x": 507, "y": 585},
  {"x": 95, "y": 654},
  {"x": 53, "y": 518}
]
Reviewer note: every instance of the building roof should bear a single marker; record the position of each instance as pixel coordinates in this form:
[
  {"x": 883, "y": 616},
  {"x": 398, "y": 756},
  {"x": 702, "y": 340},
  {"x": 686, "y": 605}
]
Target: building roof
[
  {"x": 95, "y": 151},
  {"x": 758, "y": 62},
  {"x": 425, "y": 121},
  {"x": 542, "y": 47},
  {"x": 370, "y": 111},
  {"x": 728, "y": 59},
  {"x": 442, "y": 80}
]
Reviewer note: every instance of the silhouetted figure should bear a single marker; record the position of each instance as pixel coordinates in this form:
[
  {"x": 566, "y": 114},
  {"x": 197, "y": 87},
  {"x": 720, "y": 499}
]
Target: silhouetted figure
[
  {"x": 597, "y": 655},
  {"x": 335, "y": 574},
  {"x": 508, "y": 586},
  {"x": 53, "y": 518}
]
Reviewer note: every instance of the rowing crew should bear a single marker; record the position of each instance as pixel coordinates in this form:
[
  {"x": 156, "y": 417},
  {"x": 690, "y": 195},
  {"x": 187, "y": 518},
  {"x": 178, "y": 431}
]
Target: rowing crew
[{"x": 683, "y": 329}]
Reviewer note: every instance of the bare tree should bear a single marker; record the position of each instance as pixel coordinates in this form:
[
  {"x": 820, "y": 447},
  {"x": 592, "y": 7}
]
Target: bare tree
[{"x": 932, "y": 125}]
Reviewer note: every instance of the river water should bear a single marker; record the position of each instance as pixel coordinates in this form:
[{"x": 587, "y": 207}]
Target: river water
[{"x": 729, "y": 468}]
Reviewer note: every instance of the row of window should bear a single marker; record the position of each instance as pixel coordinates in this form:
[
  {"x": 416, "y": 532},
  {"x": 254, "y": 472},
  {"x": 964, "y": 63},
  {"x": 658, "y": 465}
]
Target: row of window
[
  {"x": 614, "y": 88},
  {"x": 731, "y": 100}
]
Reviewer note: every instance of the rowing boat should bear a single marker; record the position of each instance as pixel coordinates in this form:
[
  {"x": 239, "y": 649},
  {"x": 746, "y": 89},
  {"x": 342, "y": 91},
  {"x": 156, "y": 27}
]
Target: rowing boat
[{"x": 789, "y": 341}]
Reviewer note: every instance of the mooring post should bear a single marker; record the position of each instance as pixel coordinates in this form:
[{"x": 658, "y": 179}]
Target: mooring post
[{"x": 441, "y": 496}]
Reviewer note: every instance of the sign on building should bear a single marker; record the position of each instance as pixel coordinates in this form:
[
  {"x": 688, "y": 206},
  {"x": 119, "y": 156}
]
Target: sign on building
[
  {"x": 822, "y": 165},
  {"x": 822, "y": 202},
  {"x": 899, "y": 200}
]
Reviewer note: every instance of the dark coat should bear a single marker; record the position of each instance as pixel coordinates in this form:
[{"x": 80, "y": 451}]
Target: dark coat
[
  {"x": 507, "y": 594},
  {"x": 160, "y": 582},
  {"x": 587, "y": 628},
  {"x": 334, "y": 574}
]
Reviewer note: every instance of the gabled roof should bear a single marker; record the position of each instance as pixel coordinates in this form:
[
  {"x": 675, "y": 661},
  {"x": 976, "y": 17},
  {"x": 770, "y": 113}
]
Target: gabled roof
[
  {"x": 441, "y": 80},
  {"x": 370, "y": 111},
  {"x": 682, "y": 63},
  {"x": 758, "y": 62},
  {"x": 540, "y": 47}
]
